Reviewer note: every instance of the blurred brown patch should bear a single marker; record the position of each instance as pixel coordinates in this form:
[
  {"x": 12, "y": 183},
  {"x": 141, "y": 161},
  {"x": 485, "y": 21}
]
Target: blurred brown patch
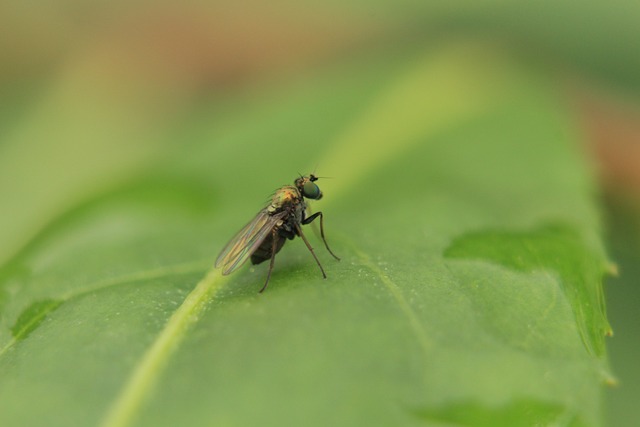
[
  {"x": 228, "y": 46},
  {"x": 192, "y": 44},
  {"x": 613, "y": 131}
]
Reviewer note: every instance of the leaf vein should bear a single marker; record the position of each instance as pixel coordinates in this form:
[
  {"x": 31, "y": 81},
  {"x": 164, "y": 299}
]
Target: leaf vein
[
  {"x": 192, "y": 267},
  {"x": 156, "y": 273},
  {"x": 405, "y": 307},
  {"x": 153, "y": 362}
]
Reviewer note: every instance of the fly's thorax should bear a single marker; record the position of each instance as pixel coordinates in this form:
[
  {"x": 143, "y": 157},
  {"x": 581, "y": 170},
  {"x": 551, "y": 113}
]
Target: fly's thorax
[{"x": 285, "y": 198}]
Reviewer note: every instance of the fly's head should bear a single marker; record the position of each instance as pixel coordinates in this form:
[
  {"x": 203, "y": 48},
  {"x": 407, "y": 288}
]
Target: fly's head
[{"x": 308, "y": 188}]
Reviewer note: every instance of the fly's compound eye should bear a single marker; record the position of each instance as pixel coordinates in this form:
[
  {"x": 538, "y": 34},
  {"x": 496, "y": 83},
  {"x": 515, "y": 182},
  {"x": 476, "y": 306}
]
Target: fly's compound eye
[{"x": 311, "y": 191}]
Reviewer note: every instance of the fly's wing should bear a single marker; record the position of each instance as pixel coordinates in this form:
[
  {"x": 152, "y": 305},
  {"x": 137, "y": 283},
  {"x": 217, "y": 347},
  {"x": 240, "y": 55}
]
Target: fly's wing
[{"x": 247, "y": 241}]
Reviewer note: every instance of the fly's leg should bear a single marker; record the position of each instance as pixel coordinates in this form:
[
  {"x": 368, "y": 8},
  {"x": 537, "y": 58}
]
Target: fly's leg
[
  {"x": 306, "y": 242},
  {"x": 274, "y": 234},
  {"x": 309, "y": 220},
  {"x": 314, "y": 225}
]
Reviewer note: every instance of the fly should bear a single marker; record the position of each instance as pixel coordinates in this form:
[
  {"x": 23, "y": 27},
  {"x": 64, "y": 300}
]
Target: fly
[{"x": 263, "y": 237}]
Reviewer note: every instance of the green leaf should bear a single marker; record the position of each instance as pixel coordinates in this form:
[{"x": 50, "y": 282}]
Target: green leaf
[
  {"x": 511, "y": 415},
  {"x": 468, "y": 291},
  {"x": 555, "y": 249},
  {"x": 32, "y": 316}
]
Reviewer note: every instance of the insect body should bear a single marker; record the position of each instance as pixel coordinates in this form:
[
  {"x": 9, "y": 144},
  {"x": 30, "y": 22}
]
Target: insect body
[{"x": 263, "y": 237}]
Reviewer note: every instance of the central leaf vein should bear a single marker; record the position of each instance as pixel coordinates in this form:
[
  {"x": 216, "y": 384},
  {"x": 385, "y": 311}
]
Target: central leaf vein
[{"x": 153, "y": 362}]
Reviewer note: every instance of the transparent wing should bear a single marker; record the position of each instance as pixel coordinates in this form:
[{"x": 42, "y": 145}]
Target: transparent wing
[{"x": 247, "y": 241}]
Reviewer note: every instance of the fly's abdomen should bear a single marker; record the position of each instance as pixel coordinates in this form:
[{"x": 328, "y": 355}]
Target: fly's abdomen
[{"x": 263, "y": 252}]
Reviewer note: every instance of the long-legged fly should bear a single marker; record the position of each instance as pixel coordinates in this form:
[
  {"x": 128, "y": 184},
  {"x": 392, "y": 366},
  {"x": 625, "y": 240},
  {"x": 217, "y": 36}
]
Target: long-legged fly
[{"x": 263, "y": 237}]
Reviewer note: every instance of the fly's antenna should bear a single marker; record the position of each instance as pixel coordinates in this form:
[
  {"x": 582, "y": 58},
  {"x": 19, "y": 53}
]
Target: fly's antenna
[{"x": 319, "y": 177}]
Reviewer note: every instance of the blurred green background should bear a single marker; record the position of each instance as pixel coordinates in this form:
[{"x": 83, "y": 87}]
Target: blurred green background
[{"x": 94, "y": 93}]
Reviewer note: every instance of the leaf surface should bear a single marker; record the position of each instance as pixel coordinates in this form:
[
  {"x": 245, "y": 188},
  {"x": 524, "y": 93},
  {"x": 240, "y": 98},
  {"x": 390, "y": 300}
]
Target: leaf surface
[{"x": 469, "y": 282}]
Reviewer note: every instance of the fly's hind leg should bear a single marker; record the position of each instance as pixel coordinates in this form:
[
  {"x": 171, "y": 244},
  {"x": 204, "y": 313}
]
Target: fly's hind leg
[
  {"x": 310, "y": 220},
  {"x": 274, "y": 234}
]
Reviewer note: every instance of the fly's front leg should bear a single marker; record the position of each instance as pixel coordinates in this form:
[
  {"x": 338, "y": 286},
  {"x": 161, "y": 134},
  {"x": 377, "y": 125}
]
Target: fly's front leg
[
  {"x": 306, "y": 242},
  {"x": 309, "y": 220}
]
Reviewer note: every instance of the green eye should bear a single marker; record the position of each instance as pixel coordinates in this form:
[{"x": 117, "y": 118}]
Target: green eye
[{"x": 311, "y": 191}]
